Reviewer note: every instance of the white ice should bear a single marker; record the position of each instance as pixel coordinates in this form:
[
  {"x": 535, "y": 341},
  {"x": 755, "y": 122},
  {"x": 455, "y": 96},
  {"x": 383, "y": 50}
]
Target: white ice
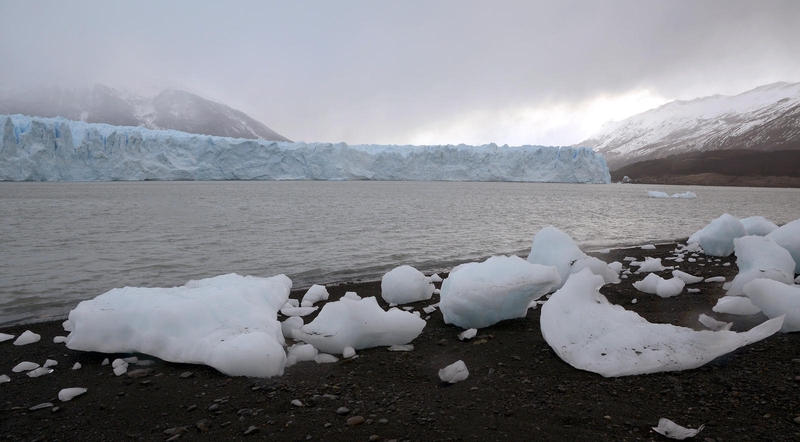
[
  {"x": 348, "y": 352},
  {"x": 760, "y": 257},
  {"x": 776, "y": 299},
  {"x": 25, "y": 366},
  {"x": 477, "y": 295},
  {"x": 315, "y": 294},
  {"x": 659, "y": 194},
  {"x": 657, "y": 285},
  {"x": 649, "y": 265},
  {"x": 552, "y": 247},
  {"x": 648, "y": 247},
  {"x": 735, "y": 305},
  {"x": 597, "y": 266},
  {"x": 405, "y": 284},
  {"x": 228, "y": 322},
  {"x": 5, "y": 337},
  {"x": 291, "y": 324},
  {"x": 67, "y": 394},
  {"x": 591, "y": 334},
  {"x": 435, "y": 278},
  {"x": 713, "y": 324},
  {"x": 28, "y": 337},
  {"x": 686, "y": 278},
  {"x": 41, "y": 371},
  {"x": 359, "y": 324},
  {"x": 467, "y": 334},
  {"x": 455, "y": 372},
  {"x": 758, "y": 226},
  {"x": 4, "y": 378},
  {"x": 289, "y": 310},
  {"x": 672, "y": 430},
  {"x": 715, "y": 279},
  {"x": 788, "y": 237},
  {"x": 716, "y": 239}
]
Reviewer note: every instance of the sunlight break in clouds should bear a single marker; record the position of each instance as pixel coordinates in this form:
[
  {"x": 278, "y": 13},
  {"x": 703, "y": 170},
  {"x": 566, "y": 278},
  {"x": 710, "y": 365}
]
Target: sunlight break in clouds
[{"x": 557, "y": 124}]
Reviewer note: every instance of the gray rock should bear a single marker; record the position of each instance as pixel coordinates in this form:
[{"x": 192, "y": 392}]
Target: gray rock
[
  {"x": 355, "y": 420},
  {"x": 341, "y": 411},
  {"x": 175, "y": 430},
  {"x": 252, "y": 430},
  {"x": 186, "y": 374},
  {"x": 139, "y": 373},
  {"x": 204, "y": 425}
]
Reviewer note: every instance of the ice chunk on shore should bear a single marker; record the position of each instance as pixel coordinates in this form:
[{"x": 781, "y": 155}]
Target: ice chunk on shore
[
  {"x": 359, "y": 324},
  {"x": 477, "y": 295},
  {"x": 672, "y": 430},
  {"x": 685, "y": 195},
  {"x": 788, "y": 237},
  {"x": 28, "y": 337},
  {"x": 405, "y": 284},
  {"x": 289, "y": 310},
  {"x": 5, "y": 337},
  {"x": 455, "y": 372},
  {"x": 713, "y": 324},
  {"x": 291, "y": 324},
  {"x": 25, "y": 366},
  {"x": 649, "y": 265},
  {"x": 589, "y": 333},
  {"x": 552, "y": 247},
  {"x": 228, "y": 322},
  {"x": 686, "y": 278},
  {"x": 314, "y": 294},
  {"x": 735, "y": 305},
  {"x": 657, "y": 285},
  {"x": 717, "y": 237},
  {"x": 4, "y": 378},
  {"x": 467, "y": 334},
  {"x": 67, "y": 394},
  {"x": 776, "y": 299},
  {"x": 758, "y": 226},
  {"x": 598, "y": 267},
  {"x": 760, "y": 257}
]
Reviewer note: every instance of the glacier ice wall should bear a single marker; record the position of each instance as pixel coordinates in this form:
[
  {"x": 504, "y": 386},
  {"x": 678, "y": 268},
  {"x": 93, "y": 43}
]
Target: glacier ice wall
[{"x": 56, "y": 149}]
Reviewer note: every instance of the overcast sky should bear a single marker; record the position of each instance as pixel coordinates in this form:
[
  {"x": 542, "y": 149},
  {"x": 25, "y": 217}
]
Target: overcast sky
[{"x": 410, "y": 72}]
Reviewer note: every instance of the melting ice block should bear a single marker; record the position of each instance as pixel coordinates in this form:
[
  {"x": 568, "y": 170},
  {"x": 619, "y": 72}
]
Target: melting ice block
[
  {"x": 657, "y": 285},
  {"x": 776, "y": 299},
  {"x": 717, "y": 237},
  {"x": 758, "y": 225},
  {"x": 314, "y": 294},
  {"x": 589, "y": 333},
  {"x": 67, "y": 394},
  {"x": 735, "y": 305},
  {"x": 227, "y": 322},
  {"x": 405, "y": 284},
  {"x": 28, "y": 337},
  {"x": 672, "y": 430},
  {"x": 477, "y": 295},
  {"x": 788, "y": 237},
  {"x": 552, "y": 247},
  {"x": 455, "y": 372},
  {"x": 760, "y": 257},
  {"x": 359, "y": 324}
]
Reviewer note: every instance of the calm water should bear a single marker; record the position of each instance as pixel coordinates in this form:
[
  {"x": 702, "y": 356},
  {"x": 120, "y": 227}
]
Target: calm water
[{"x": 64, "y": 242}]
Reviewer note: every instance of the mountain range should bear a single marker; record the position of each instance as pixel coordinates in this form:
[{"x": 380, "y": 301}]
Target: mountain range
[
  {"x": 715, "y": 135},
  {"x": 169, "y": 109}
]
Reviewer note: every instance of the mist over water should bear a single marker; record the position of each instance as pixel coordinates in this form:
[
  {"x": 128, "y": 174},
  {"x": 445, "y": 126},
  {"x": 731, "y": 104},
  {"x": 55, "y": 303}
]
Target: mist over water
[{"x": 61, "y": 243}]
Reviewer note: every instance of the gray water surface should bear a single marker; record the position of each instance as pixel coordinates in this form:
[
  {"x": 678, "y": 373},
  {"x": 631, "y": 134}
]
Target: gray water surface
[{"x": 61, "y": 243}]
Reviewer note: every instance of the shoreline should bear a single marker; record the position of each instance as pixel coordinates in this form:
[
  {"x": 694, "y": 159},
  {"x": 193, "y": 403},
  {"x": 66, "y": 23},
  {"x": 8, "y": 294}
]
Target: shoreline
[{"x": 517, "y": 387}]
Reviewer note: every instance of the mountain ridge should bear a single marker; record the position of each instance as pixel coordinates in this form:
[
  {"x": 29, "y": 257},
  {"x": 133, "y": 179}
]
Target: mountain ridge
[{"x": 169, "y": 109}]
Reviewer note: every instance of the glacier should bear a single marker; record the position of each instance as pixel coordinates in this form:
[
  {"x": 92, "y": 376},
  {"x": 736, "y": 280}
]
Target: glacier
[{"x": 57, "y": 149}]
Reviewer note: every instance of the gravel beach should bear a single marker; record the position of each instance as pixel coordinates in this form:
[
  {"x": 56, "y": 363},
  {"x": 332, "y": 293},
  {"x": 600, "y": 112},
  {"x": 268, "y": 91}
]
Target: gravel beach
[{"x": 517, "y": 389}]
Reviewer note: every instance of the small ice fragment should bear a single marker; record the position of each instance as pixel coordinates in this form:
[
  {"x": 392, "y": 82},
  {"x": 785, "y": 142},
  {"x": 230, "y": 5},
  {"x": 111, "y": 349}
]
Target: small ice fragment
[
  {"x": 59, "y": 339},
  {"x": 105, "y": 362},
  {"x": 28, "y": 337},
  {"x": 68, "y": 393},
  {"x": 468, "y": 334},
  {"x": 435, "y": 278},
  {"x": 4, "y": 378},
  {"x": 649, "y": 265},
  {"x": 131, "y": 360},
  {"x": 735, "y": 305},
  {"x": 5, "y": 337},
  {"x": 674, "y": 431},
  {"x": 437, "y": 292},
  {"x": 713, "y": 324},
  {"x": 429, "y": 309},
  {"x": 686, "y": 278},
  {"x": 352, "y": 295},
  {"x": 648, "y": 247},
  {"x": 634, "y": 301},
  {"x": 77, "y": 366},
  {"x": 314, "y": 294},
  {"x": 41, "y": 371},
  {"x": 291, "y": 324},
  {"x": 325, "y": 358},
  {"x": 121, "y": 369},
  {"x": 348, "y": 352},
  {"x": 297, "y": 403},
  {"x": 604, "y": 251},
  {"x": 117, "y": 363},
  {"x": 25, "y": 366},
  {"x": 50, "y": 363},
  {"x": 405, "y": 347},
  {"x": 629, "y": 258},
  {"x": 298, "y": 311},
  {"x": 454, "y": 372},
  {"x": 715, "y": 279},
  {"x": 693, "y": 290},
  {"x": 405, "y": 284},
  {"x": 408, "y": 309}
]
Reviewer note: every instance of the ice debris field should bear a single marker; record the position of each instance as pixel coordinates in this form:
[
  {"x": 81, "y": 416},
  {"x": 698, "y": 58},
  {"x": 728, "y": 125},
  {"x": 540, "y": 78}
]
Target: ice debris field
[
  {"x": 56, "y": 149},
  {"x": 248, "y": 326}
]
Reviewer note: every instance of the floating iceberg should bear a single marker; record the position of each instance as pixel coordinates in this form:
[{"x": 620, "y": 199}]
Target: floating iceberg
[
  {"x": 760, "y": 257},
  {"x": 359, "y": 324},
  {"x": 717, "y": 237},
  {"x": 227, "y": 322},
  {"x": 477, "y": 295},
  {"x": 589, "y": 333},
  {"x": 405, "y": 284},
  {"x": 56, "y": 149},
  {"x": 776, "y": 299}
]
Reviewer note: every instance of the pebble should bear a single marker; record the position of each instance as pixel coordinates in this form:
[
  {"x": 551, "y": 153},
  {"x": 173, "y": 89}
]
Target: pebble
[
  {"x": 186, "y": 374},
  {"x": 341, "y": 411},
  {"x": 383, "y": 421},
  {"x": 191, "y": 407},
  {"x": 355, "y": 420},
  {"x": 175, "y": 430},
  {"x": 139, "y": 373},
  {"x": 327, "y": 425},
  {"x": 213, "y": 407},
  {"x": 253, "y": 429},
  {"x": 174, "y": 438},
  {"x": 204, "y": 425},
  {"x": 797, "y": 420},
  {"x": 297, "y": 403},
  {"x": 374, "y": 438}
]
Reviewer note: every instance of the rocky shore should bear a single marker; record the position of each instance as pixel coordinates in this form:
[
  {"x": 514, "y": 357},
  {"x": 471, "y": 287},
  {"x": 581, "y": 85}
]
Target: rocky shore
[{"x": 518, "y": 389}]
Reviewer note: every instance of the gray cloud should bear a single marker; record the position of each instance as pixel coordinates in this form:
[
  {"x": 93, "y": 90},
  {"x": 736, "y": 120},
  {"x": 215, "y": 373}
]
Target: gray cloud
[{"x": 379, "y": 71}]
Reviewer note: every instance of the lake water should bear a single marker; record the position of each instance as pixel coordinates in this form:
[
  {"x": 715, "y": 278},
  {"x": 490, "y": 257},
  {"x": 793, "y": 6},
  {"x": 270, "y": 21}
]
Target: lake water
[{"x": 61, "y": 243}]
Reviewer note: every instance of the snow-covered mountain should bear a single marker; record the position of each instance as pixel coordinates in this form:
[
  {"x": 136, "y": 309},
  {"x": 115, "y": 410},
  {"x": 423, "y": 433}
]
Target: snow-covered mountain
[
  {"x": 766, "y": 118},
  {"x": 56, "y": 149},
  {"x": 169, "y": 109}
]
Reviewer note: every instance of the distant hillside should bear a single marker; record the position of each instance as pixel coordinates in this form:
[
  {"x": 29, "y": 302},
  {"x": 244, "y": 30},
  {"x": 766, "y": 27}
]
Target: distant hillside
[
  {"x": 170, "y": 109},
  {"x": 764, "y": 119},
  {"x": 736, "y": 167}
]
